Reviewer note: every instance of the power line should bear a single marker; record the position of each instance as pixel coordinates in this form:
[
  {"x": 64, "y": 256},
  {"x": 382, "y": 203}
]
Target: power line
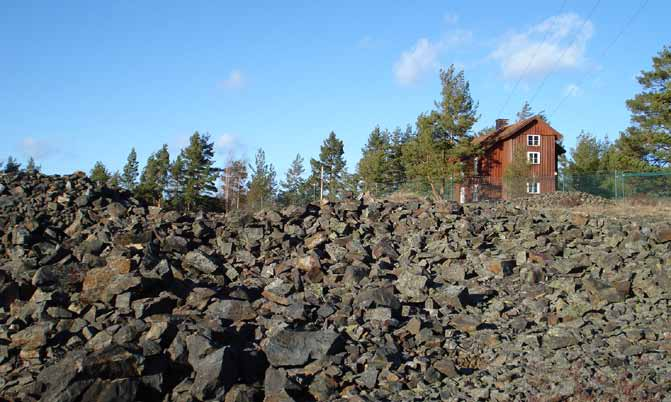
[
  {"x": 565, "y": 50},
  {"x": 607, "y": 48},
  {"x": 533, "y": 57}
]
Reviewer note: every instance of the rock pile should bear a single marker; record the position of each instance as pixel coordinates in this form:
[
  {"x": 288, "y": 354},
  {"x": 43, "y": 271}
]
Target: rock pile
[
  {"x": 104, "y": 299},
  {"x": 562, "y": 199}
]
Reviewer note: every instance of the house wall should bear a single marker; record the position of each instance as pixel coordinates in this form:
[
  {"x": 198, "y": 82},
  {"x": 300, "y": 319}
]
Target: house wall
[{"x": 497, "y": 158}]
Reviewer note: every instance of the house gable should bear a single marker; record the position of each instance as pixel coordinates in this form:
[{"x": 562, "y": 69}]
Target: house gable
[{"x": 499, "y": 148}]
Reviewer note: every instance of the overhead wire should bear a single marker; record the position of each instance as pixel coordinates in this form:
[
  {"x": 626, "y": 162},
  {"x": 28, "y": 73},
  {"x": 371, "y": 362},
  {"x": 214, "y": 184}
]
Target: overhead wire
[
  {"x": 540, "y": 86},
  {"x": 533, "y": 58},
  {"x": 606, "y": 49}
]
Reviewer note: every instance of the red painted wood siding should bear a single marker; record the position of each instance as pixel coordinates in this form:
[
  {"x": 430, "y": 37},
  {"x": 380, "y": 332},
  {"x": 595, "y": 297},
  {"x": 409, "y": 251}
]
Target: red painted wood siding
[{"x": 497, "y": 158}]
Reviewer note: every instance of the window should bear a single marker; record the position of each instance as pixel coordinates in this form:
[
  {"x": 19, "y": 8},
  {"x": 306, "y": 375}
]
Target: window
[
  {"x": 534, "y": 158},
  {"x": 533, "y": 140},
  {"x": 534, "y": 188}
]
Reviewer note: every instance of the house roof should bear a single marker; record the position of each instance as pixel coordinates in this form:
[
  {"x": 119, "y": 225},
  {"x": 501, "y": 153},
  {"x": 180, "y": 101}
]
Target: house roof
[{"x": 510, "y": 130}]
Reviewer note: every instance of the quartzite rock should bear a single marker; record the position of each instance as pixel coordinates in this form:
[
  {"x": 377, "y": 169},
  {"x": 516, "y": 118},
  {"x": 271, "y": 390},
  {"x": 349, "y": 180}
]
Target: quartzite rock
[
  {"x": 289, "y": 348},
  {"x": 199, "y": 261},
  {"x": 103, "y": 297}
]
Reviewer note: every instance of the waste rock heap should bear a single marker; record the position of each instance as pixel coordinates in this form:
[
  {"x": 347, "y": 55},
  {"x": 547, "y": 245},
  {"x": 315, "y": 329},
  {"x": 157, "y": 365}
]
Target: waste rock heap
[{"x": 105, "y": 299}]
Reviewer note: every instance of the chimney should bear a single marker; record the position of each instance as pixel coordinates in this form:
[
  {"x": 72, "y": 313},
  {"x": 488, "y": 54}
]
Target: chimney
[{"x": 501, "y": 123}]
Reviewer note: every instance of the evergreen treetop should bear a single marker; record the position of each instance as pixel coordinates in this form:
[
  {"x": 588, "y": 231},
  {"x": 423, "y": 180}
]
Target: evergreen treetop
[
  {"x": 130, "y": 171},
  {"x": 99, "y": 174},
  {"x": 649, "y": 136}
]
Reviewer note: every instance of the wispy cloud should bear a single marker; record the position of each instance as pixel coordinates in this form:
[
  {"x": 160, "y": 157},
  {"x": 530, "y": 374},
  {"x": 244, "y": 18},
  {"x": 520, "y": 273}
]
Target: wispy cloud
[
  {"x": 423, "y": 57},
  {"x": 526, "y": 55},
  {"x": 415, "y": 62},
  {"x": 225, "y": 142},
  {"x": 365, "y": 42},
  {"x": 451, "y": 18},
  {"x": 36, "y": 148},
  {"x": 236, "y": 80},
  {"x": 572, "y": 90}
]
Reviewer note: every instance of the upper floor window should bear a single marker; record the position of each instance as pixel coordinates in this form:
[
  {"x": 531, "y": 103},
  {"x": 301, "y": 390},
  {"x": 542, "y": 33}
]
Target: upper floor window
[
  {"x": 534, "y": 158},
  {"x": 533, "y": 140}
]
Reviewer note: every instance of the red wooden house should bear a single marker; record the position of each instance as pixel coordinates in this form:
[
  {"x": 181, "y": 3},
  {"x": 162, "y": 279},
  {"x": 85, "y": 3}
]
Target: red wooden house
[{"x": 533, "y": 136}]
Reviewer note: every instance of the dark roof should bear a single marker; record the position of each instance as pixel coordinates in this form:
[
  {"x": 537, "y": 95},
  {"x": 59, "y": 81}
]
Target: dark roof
[{"x": 510, "y": 130}]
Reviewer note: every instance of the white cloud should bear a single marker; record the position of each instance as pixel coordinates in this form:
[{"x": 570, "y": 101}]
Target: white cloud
[
  {"x": 423, "y": 57},
  {"x": 226, "y": 141},
  {"x": 414, "y": 62},
  {"x": 38, "y": 149},
  {"x": 235, "y": 80},
  {"x": 525, "y": 54},
  {"x": 572, "y": 90}
]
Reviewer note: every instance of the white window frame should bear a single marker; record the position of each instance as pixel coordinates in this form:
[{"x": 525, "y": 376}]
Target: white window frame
[
  {"x": 535, "y": 184},
  {"x": 536, "y": 160},
  {"x": 533, "y": 140}
]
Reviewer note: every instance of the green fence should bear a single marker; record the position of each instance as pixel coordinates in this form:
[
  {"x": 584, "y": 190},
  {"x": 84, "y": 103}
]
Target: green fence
[
  {"x": 620, "y": 185},
  {"x": 611, "y": 185}
]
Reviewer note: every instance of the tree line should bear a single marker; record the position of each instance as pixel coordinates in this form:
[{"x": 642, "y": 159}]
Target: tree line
[{"x": 431, "y": 151}]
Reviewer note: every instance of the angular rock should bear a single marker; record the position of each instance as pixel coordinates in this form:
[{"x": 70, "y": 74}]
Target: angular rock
[
  {"x": 197, "y": 260},
  {"x": 289, "y": 348}
]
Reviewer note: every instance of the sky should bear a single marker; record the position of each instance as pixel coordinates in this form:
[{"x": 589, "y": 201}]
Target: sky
[{"x": 86, "y": 81}]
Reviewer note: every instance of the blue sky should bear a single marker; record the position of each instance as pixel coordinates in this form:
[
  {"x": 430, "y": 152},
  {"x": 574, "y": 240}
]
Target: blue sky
[{"x": 86, "y": 81}]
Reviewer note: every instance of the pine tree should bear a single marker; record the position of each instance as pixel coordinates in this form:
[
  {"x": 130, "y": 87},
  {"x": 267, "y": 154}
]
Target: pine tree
[
  {"x": 130, "y": 171},
  {"x": 648, "y": 139},
  {"x": 332, "y": 161},
  {"x": 32, "y": 167},
  {"x": 294, "y": 183},
  {"x": 262, "y": 184},
  {"x": 373, "y": 167},
  {"x": 99, "y": 174},
  {"x": 199, "y": 172},
  {"x": 233, "y": 179},
  {"x": 443, "y": 136},
  {"x": 456, "y": 111},
  {"x": 154, "y": 179},
  {"x": 12, "y": 166}
]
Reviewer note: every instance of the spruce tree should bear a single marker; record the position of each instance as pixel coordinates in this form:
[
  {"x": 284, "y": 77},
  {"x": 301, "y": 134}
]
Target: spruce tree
[
  {"x": 99, "y": 174},
  {"x": 525, "y": 112},
  {"x": 32, "y": 167},
  {"x": 154, "y": 179},
  {"x": 177, "y": 182},
  {"x": 130, "y": 171},
  {"x": 199, "y": 173},
  {"x": 648, "y": 139},
  {"x": 294, "y": 183},
  {"x": 586, "y": 157},
  {"x": 332, "y": 160},
  {"x": 396, "y": 169},
  {"x": 373, "y": 167},
  {"x": 262, "y": 182},
  {"x": 115, "y": 180},
  {"x": 12, "y": 166}
]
